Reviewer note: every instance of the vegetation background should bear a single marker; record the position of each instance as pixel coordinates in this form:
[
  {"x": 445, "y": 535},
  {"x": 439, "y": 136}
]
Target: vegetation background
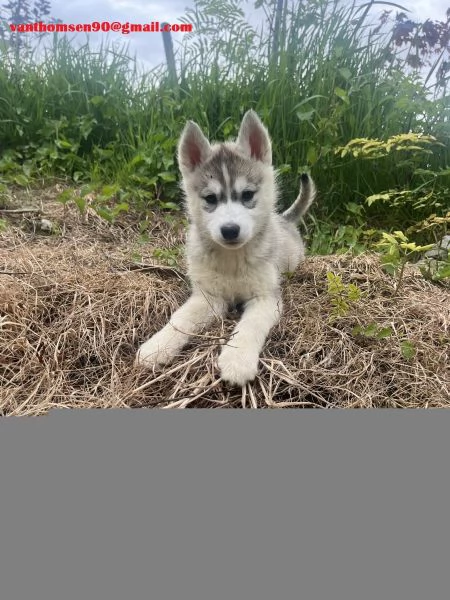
[{"x": 355, "y": 93}]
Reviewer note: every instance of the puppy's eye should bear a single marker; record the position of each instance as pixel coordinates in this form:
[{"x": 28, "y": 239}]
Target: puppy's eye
[
  {"x": 247, "y": 195},
  {"x": 211, "y": 199}
]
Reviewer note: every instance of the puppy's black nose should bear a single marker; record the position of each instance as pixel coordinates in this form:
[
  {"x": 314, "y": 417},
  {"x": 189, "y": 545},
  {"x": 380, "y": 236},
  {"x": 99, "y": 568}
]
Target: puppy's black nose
[{"x": 230, "y": 232}]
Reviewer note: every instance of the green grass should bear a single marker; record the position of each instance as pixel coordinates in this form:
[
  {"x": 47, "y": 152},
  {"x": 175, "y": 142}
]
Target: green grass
[{"x": 90, "y": 115}]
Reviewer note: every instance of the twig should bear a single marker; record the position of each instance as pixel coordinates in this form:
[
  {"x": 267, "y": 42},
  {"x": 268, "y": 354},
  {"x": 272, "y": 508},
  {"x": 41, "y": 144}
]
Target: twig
[
  {"x": 147, "y": 267},
  {"x": 15, "y": 273},
  {"x": 18, "y": 211}
]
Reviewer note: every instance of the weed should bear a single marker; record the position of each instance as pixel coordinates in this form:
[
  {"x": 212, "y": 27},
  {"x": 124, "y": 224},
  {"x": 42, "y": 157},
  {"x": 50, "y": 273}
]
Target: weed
[
  {"x": 407, "y": 349},
  {"x": 342, "y": 295},
  {"x": 375, "y": 332},
  {"x": 169, "y": 256},
  {"x": 397, "y": 251},
  {"x": 372, "y": 331}
]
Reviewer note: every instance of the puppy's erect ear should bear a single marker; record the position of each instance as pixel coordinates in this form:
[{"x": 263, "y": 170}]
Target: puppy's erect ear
[
  {"x": 193, "y": 148},
  {"x": 254, "y": 139}
]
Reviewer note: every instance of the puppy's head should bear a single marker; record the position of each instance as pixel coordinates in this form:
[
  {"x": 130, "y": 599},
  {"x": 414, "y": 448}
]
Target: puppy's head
[{"x": 230, "y": 187}]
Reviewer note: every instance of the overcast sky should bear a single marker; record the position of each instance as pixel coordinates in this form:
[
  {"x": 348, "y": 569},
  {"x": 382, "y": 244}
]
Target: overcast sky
[{"x": 148, "y": 46}]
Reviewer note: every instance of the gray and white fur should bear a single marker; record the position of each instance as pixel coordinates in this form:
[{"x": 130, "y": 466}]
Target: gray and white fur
[{"x": 238, "y": 246}]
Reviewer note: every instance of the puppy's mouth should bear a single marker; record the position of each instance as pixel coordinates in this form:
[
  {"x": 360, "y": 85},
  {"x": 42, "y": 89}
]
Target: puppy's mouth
[{"x": 231, "y": 244}]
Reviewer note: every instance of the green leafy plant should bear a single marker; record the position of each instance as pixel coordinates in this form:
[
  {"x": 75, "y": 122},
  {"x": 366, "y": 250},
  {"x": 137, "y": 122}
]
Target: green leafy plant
[
  {"x": 437, "y": 271},
  {"x": 407, "y": 349},
  {"x": 397, "y": 251},
  {"x": 169, "y": 256},
  {"x": 372, "y": 331},
  {"x": 435, "y": 264},
  {"x": 376, "y": 332},
  {"x": 341, "y": 295},
  {"x": 103, "y": 200},
  {"x": 369, "y": 149}
]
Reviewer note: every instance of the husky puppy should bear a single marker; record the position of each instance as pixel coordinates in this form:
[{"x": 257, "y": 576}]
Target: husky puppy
[{"x": 237, "y": 246}]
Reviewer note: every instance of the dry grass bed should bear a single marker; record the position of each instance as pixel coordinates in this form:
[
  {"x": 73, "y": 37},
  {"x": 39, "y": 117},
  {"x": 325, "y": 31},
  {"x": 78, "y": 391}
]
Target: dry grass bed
[{"x": 72, "y": 315}]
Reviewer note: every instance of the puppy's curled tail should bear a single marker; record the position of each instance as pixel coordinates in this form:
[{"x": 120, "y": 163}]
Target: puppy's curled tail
[{"x": 303, "y": 201}]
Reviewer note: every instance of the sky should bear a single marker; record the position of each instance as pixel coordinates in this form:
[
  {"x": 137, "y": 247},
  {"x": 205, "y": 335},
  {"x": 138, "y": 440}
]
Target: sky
[{"x": 148, "y": 47}]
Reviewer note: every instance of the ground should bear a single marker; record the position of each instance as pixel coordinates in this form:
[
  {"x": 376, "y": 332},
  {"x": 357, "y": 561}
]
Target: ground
[{"x": 75, "y": 304}]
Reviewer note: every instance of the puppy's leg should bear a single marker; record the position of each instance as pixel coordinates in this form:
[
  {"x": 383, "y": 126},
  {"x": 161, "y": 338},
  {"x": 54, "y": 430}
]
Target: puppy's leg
[
  {"x": 238, "y": 361},
  {"x": 190, "y": 318}
]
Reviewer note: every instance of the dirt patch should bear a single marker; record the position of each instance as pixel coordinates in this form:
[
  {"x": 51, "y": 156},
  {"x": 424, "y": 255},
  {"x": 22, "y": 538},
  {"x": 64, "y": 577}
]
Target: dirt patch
[{"x": 75, "y": 305}]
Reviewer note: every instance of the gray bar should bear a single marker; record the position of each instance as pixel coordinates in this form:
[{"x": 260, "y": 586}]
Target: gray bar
[{"x": 225, "y": 505}]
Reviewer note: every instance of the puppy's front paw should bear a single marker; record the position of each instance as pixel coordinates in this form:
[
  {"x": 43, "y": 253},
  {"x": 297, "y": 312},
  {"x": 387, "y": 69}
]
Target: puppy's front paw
[
  {"x": 155, "y": 352},
  {"x": 237, "y": 367}
]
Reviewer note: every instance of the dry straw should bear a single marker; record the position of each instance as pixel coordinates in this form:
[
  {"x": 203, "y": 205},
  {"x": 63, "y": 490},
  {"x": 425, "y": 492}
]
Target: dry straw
[{"x": 74, "y": 308}]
